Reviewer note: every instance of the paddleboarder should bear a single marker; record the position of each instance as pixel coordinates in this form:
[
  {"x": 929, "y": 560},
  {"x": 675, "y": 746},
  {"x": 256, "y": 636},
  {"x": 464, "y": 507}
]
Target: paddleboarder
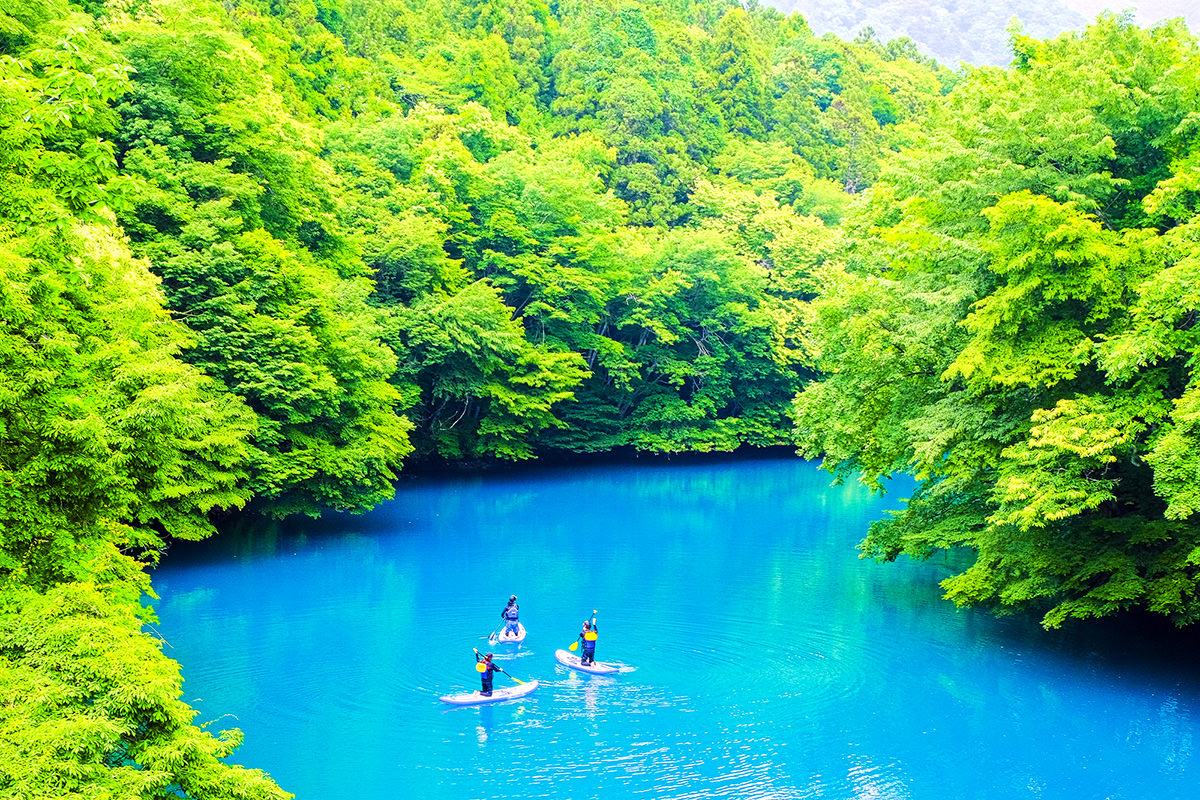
[
  {"x": 588, "y": 637},
  {"x": 485, "y": 668},
  {"x": 510, "y": 615}
]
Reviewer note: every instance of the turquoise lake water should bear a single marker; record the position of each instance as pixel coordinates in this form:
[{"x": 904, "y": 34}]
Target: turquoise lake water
[{"x": 760, "y": 657}]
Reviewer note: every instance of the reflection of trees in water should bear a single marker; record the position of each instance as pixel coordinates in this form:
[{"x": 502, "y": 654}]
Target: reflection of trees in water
[{"x": 1165, "y": 733}]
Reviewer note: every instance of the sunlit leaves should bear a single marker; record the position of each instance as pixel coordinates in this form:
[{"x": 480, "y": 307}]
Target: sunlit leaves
[
  {"x": 1060, "y": 280},
  {"x": 1176, "y": 458},
  {"x": 485, "y": 389},
  {"x": 91, "y": 705},
  {"x": 107, "y": 440},
  {"x": 740, "y": 86},
  {"x": 1053, "y": 424}
]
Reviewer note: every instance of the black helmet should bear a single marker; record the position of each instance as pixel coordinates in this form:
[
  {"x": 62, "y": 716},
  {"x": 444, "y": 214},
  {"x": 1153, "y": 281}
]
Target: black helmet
[{"x": 488, "y": 657}]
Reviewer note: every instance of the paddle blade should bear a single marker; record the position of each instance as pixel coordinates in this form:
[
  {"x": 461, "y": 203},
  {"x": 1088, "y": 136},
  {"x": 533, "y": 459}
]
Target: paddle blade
[{"x": 574, "y": 646}]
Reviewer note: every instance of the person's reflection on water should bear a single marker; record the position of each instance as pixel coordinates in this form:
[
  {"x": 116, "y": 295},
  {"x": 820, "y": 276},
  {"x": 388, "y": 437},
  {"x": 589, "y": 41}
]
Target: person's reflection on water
[
  {"x": 487, "y": 724},
  {"x": 591, "y": 698}
]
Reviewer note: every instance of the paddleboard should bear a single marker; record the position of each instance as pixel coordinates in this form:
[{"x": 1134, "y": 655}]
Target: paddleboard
[
  {"x": 504, "y": 638},
  {"x": 568, "y": 659},
  {"x": 475, "y": 698}
]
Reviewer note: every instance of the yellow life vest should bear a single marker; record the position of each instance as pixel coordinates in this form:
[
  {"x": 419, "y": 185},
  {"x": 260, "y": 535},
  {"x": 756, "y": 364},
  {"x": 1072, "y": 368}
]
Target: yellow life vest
[
  {"x": 481, "y": 667},
  {"x": 591, "y": 636}
]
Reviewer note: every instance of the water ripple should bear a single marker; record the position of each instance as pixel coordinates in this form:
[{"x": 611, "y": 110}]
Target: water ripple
[{"x": 760, "y": 658}]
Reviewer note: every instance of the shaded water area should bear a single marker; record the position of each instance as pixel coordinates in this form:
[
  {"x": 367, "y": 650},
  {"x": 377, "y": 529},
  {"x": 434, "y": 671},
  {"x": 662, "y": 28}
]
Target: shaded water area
[{"x": 761, "y": 657}]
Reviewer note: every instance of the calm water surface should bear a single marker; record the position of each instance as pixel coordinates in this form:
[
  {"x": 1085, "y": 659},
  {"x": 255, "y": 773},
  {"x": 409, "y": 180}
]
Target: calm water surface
[{"x": 761, "y": 658}]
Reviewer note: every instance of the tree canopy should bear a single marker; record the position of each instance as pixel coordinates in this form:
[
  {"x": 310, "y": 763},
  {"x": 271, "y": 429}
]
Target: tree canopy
[{"x": 1003, "y": 331}]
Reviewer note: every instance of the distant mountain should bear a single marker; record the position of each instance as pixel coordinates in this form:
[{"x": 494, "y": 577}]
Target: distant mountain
[
  {"x": 948, "y": 30},
  {"x": 973, "y": 31},
  {"x": 1145, "y": 12}
]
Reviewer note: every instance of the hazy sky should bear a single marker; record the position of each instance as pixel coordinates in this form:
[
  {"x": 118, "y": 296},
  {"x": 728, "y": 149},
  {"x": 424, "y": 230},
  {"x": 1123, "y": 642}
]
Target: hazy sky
[{"x": 1147, "y": 12}]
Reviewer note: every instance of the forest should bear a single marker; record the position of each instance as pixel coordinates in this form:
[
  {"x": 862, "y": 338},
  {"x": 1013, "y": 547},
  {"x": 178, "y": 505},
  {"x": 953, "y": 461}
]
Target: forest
[{"x": 259, "y": 257}]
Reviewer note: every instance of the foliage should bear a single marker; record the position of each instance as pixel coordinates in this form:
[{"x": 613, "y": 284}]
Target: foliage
[
  {"x": 237, "y": 217},
  {"x": 107, "y": 440},
  {"x": 91, "y": 706},
  {"x": 486, "y": 386},
  {"x": 1002, "y": 328}
]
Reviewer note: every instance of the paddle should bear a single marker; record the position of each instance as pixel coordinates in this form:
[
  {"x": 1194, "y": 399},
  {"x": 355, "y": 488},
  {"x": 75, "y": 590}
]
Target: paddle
[
  {"x": 497, "y": 668},
  {"x": 575, "y": 644},
  {"x": 492, "y": 636}
]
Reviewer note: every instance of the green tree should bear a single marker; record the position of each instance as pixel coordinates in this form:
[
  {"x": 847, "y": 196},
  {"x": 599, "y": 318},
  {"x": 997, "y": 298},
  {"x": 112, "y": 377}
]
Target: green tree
[
  {"x": 92, "y": 706},
  {"x": 485, "y": 389},
  {"x": 238, "y": 216},
  {"x": 741, "y": 89},
  {"x": 993, "y": 334},
  {"x": 108, "y": 442}
]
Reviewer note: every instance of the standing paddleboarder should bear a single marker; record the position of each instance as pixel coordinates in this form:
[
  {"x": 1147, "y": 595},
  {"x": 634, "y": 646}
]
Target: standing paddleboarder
[
  {"x": 485, "y": 668},
  {"x": 588, "y": 637},
  {"x": 510, "y": 614}
]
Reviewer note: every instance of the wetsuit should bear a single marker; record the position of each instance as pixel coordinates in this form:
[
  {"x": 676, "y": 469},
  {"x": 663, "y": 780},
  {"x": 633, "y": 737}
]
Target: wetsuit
[
  {"x": 588, "y": 652},
  {"x": 487, "y": 675},
  {"x": 510, "y": 614}
]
